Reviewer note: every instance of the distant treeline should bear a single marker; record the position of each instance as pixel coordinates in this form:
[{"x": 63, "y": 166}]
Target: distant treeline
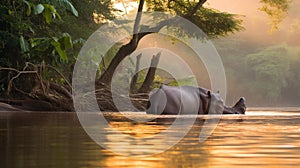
[{"x": 265, "y": 75}]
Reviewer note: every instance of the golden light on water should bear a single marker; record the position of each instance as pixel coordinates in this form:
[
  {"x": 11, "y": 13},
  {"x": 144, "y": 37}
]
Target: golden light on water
[
  {"x": 138, "y": 130},
  {"x": 259, "y": 139},
  {"x": 53, "y": 140}
]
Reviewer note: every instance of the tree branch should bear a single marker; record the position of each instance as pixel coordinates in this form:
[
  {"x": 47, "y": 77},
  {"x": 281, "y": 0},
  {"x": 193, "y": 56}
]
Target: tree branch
[
  {"x": 130, "y": 47},
  {"x": 60, "y": 74},
  {"x": 135, "y": 76},
  {"x": 196, "y": 8},
  {"x": 138, "y": 20},
  {"x": 150, "y": 74}
]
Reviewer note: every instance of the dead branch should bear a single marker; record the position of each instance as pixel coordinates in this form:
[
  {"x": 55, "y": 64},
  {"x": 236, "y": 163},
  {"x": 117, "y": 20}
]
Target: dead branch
[
  {"x": 60, "y": 74},
  {"x": 39, "y": 70},
  {"x": 150, "y": 74},
  {"x": 60, "y": 89},
  {"x": 52, "y": 95}
]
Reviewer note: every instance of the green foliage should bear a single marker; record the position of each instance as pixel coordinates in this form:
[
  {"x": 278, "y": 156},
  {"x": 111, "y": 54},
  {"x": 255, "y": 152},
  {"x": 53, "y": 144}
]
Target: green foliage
[
  {"x": 190, "y": 80},
  {"x": 68, "y": 5},
  {"x": 50, "y": 49},
  {"x": 293, "y": 82},
  {"x": 21, "y": 37},
  {"x": 159, "y": 79},
  {"x": 213, "y": 22},
  {"x": 47, "y": 7},
  {"x": 265, "y": 75},
  {"x": 271, "y": 70},
  {"x": 47, "y": 10},
  {"x": 24, "y": 45},
  {"x": 91, "y": 14},
  {"x": 276, "y": 10},
  {"x": 35, "y": 31}
]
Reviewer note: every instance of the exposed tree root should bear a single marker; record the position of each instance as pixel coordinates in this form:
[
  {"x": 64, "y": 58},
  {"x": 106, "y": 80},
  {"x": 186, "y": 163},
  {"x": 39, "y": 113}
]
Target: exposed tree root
[{"x": 46, "y": 95}]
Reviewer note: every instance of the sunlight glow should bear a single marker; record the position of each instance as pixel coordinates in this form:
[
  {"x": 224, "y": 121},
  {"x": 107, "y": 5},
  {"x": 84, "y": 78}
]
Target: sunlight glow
[{"x": 125, "y": 6}]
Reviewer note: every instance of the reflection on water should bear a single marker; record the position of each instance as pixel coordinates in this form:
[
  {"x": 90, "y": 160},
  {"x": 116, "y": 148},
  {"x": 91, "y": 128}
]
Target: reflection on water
[{"x": 261, "y": 138}]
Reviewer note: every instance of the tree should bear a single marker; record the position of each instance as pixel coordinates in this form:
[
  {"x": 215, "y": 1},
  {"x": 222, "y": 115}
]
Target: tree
[
  {"x": 28, "y": 27},
  {"x": 25, "y": 32},
  {"x": 91, "y": 14},
  {"x": 36, "y": 47},
  {"x": 270, "y": 69},
  {"x": 276, "y": 10},
  {"x": 214, "y": 23},
  {"x": 150, "y": 74}
]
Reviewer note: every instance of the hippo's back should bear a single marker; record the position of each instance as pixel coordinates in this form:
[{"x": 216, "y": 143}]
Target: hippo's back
[{"x": 174, "y": 100}]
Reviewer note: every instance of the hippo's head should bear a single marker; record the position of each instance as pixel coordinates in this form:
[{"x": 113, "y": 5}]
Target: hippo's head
[{"x": 240, "y": 106}]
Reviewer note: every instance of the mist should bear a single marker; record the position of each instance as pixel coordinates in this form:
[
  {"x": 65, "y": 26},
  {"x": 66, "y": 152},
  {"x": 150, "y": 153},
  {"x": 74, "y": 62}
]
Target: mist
[{"x": 261, "y": 64}]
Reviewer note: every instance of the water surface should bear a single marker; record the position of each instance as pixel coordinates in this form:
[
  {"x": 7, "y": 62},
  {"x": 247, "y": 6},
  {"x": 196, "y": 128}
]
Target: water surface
[{"x": 262, "y": 138}]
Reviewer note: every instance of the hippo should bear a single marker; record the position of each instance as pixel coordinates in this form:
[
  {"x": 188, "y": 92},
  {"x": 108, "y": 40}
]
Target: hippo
[{"x": 175, "y": 100}]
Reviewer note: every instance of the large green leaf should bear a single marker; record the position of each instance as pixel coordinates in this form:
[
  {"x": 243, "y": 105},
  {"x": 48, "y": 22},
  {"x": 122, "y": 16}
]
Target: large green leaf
[
  {"x": 38, "y": 9},
  {"x": 47, "y": 15},
  {"x": 50, "y": 12},
  {"x": 66, "y": 41},
  {"x": 69, "y": 6},
  {"x": 40, "y": 44},
  {"x": 53, "y": 11},
  {"x": 24, "y": 44},
  {"x": 28, "y": 11},
  {"x": 59, "y": 50}
]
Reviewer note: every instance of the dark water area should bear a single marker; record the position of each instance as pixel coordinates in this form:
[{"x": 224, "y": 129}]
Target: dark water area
[{"x": 262, "y": 138}]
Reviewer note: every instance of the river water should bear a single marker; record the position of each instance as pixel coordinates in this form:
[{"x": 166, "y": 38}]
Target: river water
[{"x": 261, "y": 138}]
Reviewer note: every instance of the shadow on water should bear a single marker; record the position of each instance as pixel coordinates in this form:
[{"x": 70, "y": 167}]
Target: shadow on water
[{"x": 258, "y": 139}]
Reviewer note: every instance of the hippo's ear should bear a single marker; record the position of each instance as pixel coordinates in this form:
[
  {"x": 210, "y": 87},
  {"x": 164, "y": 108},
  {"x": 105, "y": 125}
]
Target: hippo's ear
[{"x": 208, "y": 93}]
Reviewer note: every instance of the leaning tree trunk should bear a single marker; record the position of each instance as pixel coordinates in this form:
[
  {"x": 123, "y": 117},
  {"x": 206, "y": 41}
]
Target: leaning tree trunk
[
  {"x": 150, "y": 74},
  {"x": 125, "y": 50},
  {"x": 129, "y": 48}
]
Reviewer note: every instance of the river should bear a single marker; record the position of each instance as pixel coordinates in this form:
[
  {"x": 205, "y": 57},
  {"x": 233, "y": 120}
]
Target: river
[{"x": 261, "y": 138}]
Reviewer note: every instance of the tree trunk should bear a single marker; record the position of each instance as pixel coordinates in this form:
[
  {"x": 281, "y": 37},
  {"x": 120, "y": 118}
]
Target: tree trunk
[
  {"x": 150, "y": 74},
  {"x": 196, "y": 8},
  {"x": 125, "y": 50},
  {"x": 129, "y": 48},
  {"x": 135, "y": 76}
]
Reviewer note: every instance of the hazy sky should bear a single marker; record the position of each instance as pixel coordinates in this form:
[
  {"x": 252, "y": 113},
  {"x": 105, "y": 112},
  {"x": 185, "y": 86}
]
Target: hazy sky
[{"x": 257, "y": 23}]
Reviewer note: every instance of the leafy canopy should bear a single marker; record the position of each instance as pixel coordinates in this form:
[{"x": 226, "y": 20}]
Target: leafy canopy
[
  {"x": 271, "y": 68},
  {"x": 276, "y": 10},
  {"x": 213, "y": 22}
]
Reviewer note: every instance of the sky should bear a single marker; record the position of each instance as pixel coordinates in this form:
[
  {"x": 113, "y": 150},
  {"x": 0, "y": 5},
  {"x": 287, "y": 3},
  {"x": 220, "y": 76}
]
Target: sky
[{"x": 257, "y": 23}]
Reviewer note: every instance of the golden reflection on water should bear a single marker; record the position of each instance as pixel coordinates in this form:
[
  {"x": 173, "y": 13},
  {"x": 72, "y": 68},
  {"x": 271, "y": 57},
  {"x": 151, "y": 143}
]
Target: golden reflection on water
[
  {"x": 137, "y": 130},
  {"x": 57, "y": 140},
  {"x": 260, "y": 143}
]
